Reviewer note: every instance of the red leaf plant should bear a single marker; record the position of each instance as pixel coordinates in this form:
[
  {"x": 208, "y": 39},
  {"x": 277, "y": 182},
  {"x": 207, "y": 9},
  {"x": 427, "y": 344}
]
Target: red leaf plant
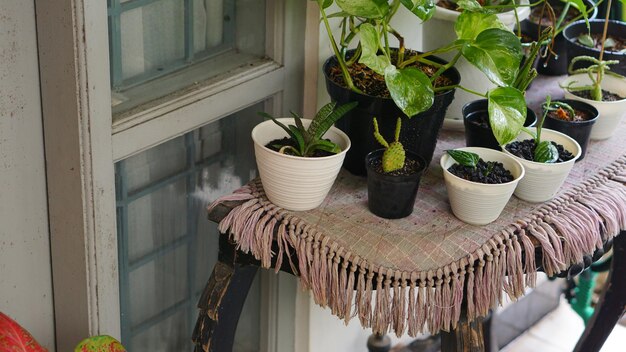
[{"x": 14, "y": 338}]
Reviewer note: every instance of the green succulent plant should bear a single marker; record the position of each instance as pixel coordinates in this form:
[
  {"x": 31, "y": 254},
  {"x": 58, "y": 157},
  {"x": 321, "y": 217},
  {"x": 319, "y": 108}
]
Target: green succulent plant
[
  {"x": 394, "y": 155},
  {"x": 596, "y": 72},
  {"x": 309, "y": 140}
]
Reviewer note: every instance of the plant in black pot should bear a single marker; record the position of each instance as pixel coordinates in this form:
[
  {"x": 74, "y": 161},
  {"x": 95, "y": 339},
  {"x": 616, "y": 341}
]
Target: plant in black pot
[
  {"x": 392, "y": 81},
  {"x": 573, "y": 117},
  {"x": 393, "y": 176},
  {"x": 557, "y": 14},
  {"x": 587, "y": 41}
]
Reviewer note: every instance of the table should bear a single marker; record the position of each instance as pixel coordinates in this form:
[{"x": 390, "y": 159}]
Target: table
[{"x": 452, "y": 273}]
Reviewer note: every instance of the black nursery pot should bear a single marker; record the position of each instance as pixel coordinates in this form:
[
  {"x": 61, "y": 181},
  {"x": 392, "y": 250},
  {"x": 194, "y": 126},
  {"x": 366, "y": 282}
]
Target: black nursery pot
[
  {"x": 477, "y": 134},
  {"x": 419, "y": 133},
  {"x": 574, "y": 48},
  {"x": 556, "y": 65},
  {"x": 392, "y": 197},
  {"x": 580, "y": 131}
]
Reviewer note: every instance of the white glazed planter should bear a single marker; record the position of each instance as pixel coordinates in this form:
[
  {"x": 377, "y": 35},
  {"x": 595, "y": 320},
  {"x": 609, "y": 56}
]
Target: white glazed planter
[
  {"x": 440, "y": 29},
  {"x": 480, "y": 203},
  {"x": 610, "y": 112},
  {"x": 543, "y": 180},
  {"x": 292, "y": 182}
]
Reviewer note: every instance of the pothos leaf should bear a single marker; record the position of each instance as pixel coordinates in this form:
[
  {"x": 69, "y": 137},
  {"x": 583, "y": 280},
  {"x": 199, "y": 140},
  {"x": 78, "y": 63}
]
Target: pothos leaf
[
  {"x": 464, "y": 158},
  {"x": 15, "y": 338},
  {"x": 365, "y": 8},
  {"x": 586, "y": 40},
  {"x": 424, "y": 9},
  {"x": 470, "y": 5},
  {"x": 325, "y": 3},
  {"x": 470, "y": 24},
  {"x": 609, "y": 43},
  {"x": 370, "y": 42},
  {"x": 410, "y": 89},
  {"x": 507, "y": 113},
  {"x": 546, "y": 152},
  {"x": 102, "y": 343},
  {"x": 497, "y": 53}
]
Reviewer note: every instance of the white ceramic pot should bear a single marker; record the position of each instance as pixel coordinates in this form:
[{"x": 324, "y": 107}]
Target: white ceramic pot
[
  {"x": 543, "y": 180},
  {"x": 610, "y": 112},
  {"x": 292, "y": 182},
  {"x": 480, "y": 203},
  {"x": 440, "y": 29}
]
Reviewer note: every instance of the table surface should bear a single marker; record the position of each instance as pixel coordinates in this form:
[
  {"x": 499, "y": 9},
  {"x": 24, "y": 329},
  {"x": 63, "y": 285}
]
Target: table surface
[{"x": 433, "y": 257}]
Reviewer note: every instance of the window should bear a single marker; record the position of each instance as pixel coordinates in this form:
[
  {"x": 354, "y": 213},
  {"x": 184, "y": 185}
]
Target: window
[
  {"x": 107, "y": 183},
  {"x": 167, "y": 246}
]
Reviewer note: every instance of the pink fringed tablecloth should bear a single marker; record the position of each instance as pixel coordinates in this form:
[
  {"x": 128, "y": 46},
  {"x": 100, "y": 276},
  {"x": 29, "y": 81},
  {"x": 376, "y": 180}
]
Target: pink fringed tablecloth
[{"x": 412, "y": 274}]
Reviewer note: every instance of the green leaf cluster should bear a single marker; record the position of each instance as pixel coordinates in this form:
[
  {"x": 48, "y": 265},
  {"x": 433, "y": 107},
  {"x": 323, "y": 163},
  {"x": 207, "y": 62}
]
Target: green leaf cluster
[{"x": 309, "y": 140}]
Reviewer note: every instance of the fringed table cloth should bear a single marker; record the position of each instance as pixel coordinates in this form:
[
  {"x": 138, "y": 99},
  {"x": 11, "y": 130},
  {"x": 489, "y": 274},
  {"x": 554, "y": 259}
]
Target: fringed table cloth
[{"x": 412, "y": 274}]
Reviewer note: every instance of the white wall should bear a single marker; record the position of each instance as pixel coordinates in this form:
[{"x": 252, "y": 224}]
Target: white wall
[
  {"x": 326, "y": 332},
  {"x": 25, "y": 274}
]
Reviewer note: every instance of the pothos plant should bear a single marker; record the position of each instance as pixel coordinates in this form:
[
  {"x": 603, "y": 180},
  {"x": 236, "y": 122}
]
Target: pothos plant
[
  {"x": 306, "y": 141},
  {"x": 482, "y": 39}
]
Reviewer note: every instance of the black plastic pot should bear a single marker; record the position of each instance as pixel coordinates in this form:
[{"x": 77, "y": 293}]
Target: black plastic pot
[
  {"x": 556, "y": 65},
  {"x": 580, "y": 131},
  {"x": 574, "y": 48},
  {"x": 419, "y": 133},
  {"x": 392, "y": 197},
  {"x": 479, "y": 135}
]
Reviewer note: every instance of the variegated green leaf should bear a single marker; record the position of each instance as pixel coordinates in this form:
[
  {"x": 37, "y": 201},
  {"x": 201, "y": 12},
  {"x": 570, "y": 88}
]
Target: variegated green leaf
[
  {"x": 370, "y": 42},
  {"x": 497, "y": 53},
  {"x": 470, "y": 24},
  {"x": 507, "y": 113},
  {"x": 365, "y": 8},
  {"x": 410, "y": 89},
  {"x": 423, "y": 9}
]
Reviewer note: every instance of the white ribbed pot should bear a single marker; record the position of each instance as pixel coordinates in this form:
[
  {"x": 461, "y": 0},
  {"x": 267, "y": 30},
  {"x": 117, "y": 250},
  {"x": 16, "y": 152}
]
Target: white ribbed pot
[
  {"x": 480, "y": 203},
  {"x": 440, "y": 29},
  {"x": 292, "y": 182},
  {"x": 543, "y": 180},
  {"x": 610, "y": 112}
]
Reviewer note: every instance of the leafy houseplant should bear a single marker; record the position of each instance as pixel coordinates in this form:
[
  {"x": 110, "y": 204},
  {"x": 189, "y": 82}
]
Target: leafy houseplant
[
  {"x": 408, "y": 83},
  {"x": 479, "y": 190},
  {"x": 393, "y": 176},
  {"x": 572, "y": 117},
  {"x": 294, "y": 174},
  {"x": 598, "y": 86},
  {"x": 547, "y": 156}
]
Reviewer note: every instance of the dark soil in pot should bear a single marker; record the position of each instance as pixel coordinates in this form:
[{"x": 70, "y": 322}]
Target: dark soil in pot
[
  {"x": 526, "y": 149},
  {"x": 477, "y": 129},
  {"x": 616, "y": 30},
  {"x": 392, "y": 195},
  {"x": 555, "y": 64},
  {"x": 579, "y": 128},
  {"x": 606, "y": 95},
  {"x": 419, "y": 133},
  {"x": 490, "y": 172}
]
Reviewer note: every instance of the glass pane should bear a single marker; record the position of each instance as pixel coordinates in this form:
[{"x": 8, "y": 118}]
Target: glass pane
[
  {"x": 167, "y": 246},
  {"x": 161, "y": 46},
  {"x": 152, "y": 37}
]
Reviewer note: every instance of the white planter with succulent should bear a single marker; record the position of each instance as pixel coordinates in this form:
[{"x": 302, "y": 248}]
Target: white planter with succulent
[
  {"x": 479, "y": 203},
  {"x": 298, "y": 172}
]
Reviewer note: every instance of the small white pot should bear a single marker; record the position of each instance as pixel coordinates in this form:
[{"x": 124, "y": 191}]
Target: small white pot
[
  {"x": 543, "y": 180},
  {"x": 480, "y": 203},
  {"x": 610, "y": 112},
  {"x": 292, "y": 182},
  {"x": 440, "y": 29}
]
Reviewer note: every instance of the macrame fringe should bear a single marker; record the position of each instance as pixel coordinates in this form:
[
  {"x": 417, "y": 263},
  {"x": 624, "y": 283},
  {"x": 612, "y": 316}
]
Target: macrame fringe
[{"x": 566, "y": 229}]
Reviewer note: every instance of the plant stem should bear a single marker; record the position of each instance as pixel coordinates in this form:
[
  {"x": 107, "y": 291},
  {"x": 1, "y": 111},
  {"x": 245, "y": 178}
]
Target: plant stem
[
  {"x": 446, "y": 66},
  {"x": 606, "y": 26},
  {"x": 562, "y": 16},
  {"x": 439, "y": 89},
  {"x": 340, "y": 60}
]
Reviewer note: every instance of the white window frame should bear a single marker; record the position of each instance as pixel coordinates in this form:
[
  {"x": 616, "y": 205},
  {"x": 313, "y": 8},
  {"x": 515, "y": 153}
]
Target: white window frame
[{"x": 81, "y": 146}]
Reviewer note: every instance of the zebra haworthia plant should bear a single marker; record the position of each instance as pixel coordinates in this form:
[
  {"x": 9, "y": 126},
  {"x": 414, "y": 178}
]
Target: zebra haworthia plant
[{"x": 309, "y": 140}]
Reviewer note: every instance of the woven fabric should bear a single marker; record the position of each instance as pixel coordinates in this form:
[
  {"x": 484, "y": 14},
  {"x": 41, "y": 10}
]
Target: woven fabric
[{"x": 412, "y": 274}]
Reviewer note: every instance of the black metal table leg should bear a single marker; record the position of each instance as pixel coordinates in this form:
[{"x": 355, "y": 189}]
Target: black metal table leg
[
  {"x": 222, "y": 301},
  {"x": 612, "y": 304}
]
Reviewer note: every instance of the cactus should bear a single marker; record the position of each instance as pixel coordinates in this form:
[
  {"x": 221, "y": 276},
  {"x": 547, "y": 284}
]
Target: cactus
[{"x": 394, "y": 155}]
